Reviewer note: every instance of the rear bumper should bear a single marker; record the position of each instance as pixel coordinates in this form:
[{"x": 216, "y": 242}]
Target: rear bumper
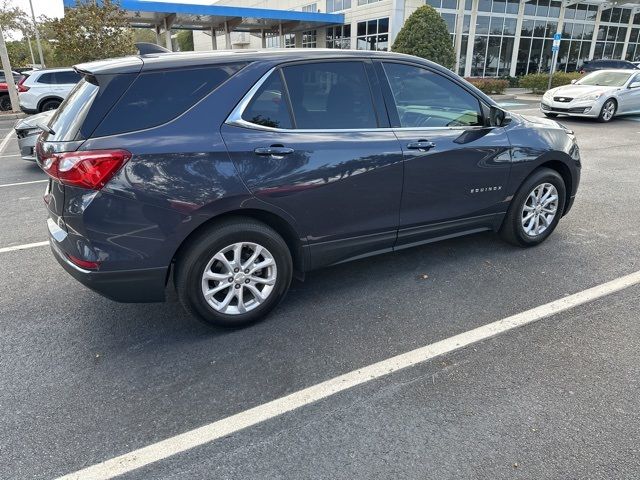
[
  {"x": 127, "y": 286},
  {"x": 29, "y": 111}
]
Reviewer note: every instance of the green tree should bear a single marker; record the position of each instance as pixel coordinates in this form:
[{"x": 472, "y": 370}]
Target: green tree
[
  {"x": 91, "y": 31},
  {"x": 425, "y": 35},
  {"x": 184, "y": 39}
]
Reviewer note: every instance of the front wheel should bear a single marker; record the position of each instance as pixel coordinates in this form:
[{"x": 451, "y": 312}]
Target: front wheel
[
  {"x": 233, "y": 273},
  {"x": 608, "y": 111},
  {"x": 535, "y": 210}
]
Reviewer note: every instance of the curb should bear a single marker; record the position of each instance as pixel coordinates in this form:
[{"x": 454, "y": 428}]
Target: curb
[{"x": 12, "y": 116}]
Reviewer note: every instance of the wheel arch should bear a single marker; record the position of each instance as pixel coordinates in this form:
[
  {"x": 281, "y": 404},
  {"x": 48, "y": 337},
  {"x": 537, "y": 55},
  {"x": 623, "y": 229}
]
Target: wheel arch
[
  {"x": 565, "y": 173},
  {"x": 279, "y": 224},
  {"x": 46, "y": 99}
]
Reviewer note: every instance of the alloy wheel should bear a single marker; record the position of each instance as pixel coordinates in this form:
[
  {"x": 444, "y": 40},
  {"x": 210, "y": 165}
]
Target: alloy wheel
[
  {"x": 608, "y": 110},
  {"x": 539, "y": 209},
  {"x": 239, "y": 278}
]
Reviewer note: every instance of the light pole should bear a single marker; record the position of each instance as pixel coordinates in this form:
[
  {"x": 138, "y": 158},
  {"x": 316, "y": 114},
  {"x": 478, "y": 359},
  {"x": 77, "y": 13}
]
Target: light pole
[
  {"x": 35, "y": 27},
  {"x": 6, "y": 66}
]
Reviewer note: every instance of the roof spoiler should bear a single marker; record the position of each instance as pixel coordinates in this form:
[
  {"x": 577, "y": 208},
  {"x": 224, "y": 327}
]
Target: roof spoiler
[{"x": 145, "y": 48}]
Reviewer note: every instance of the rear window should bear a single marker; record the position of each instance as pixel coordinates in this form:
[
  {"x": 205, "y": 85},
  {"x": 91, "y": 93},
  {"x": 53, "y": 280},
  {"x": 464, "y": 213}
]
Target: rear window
[
  {"x": 157, "y": 97},
  {"x": 69, "y": 116},
  {"x": 56, "y": 78}
]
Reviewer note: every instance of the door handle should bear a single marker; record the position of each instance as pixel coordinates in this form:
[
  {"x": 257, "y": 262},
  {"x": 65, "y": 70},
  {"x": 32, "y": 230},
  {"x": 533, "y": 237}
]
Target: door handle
[
  {"x": 422, "y": 145},
  {"x": 273, "y": 150}
]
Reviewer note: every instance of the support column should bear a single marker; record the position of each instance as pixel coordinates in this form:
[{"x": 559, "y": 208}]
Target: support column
[
  {"x": 472, "y": 38},
  {"x": 628, "y": 34},
  {"x": 280, "y": 35},
  {"x": 397, "y": 19},
  {"x": 263, "y": 38},
  {"x": 214, "y": 39},
  {"x": 516, "y": 40},
  {"x": 459, "y": 27},
  {"x": 227, "y": 37},
  {"x": 556, "y": 55},
  {"x": 167, "y": 35},
  {"x": 594, "y": 39}
]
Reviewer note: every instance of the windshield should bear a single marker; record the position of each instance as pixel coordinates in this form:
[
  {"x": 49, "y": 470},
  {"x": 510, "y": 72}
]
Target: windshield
[{"x": 605, "y": 79}]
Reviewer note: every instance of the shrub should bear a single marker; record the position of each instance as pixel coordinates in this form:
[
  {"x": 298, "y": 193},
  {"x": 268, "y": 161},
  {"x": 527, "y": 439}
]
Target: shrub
[
  {"x": 425, "y": 35},
  {"x": 537, "y": 82},
  {"x": 489, "y": 85}
]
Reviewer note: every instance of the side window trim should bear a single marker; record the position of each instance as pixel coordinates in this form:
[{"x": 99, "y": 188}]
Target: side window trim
[
  {"x": 287, "y": 98},
  {"x": 235, "y": 117},
  {"x": 393, "y": 110}
]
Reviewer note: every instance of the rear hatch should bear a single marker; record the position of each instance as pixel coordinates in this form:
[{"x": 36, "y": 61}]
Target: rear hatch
[{"x": 58, "y": 149}]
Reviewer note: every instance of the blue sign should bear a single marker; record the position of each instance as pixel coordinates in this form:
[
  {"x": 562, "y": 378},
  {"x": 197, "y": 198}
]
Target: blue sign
[{"x": 557, "y": 36}]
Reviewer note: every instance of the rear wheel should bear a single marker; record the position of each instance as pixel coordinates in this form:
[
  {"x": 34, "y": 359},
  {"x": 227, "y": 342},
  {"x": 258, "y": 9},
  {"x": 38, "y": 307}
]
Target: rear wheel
[
  {"x": 233, "y": 273},
  {"x": 608, "y": 111},
  {"x": 5, "y": 103},
  {"x": 535, "y": 210},
  {"x": 49, "y": 105}
]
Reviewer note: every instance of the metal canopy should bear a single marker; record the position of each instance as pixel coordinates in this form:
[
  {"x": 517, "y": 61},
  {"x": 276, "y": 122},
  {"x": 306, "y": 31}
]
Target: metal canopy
[{"x": 204, "y": 17}]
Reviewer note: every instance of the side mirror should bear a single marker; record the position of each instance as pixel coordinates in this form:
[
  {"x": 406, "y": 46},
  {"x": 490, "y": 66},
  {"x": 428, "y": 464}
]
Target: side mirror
[
  {"x": 634, "y": 84},
  {"x": 498, "y": 117},
  {"x": 573, "y": 81}
]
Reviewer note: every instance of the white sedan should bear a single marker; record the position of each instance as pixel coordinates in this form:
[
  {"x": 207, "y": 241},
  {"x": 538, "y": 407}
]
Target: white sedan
[{"x": 602, "y": 94}]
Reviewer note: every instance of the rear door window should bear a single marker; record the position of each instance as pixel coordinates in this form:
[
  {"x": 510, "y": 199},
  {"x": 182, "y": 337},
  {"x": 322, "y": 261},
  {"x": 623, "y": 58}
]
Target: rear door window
[
  {"x": 46, "y": 78},
  {"x": 425, "y": 99},
  {"x": 157, "y": 97},
  {"x": 269, "y": 107},
  {"x": 330, "y": 95},
  {"x": 66, "y": 77}
]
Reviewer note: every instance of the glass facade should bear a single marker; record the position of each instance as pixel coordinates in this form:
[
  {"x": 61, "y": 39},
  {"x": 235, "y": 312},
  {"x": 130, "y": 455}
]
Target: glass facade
[
  {"x": 339, "y": 37},
  {"x": 338, "y": 5},
  {"x": 496, "y": 34},
  {"x": 309, "y": 39},
  {"x": 373, "y": 35},
  {"x": 273, "y": 40}
]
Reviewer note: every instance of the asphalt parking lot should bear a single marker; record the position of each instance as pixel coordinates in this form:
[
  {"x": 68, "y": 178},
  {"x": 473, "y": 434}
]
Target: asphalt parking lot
[{"x": 84, "y": 379}]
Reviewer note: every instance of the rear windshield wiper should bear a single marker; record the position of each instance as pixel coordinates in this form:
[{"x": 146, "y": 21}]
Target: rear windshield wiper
[{"x": 45, "y": 128}]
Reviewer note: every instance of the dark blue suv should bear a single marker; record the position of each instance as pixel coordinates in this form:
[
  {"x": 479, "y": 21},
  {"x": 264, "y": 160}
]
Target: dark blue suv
[{"x": 232, "y": 172}]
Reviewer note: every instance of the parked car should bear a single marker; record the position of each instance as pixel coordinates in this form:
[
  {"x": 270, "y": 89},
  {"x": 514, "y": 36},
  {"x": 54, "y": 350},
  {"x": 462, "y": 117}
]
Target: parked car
[
  {"x": 265, "y": 165},
  {"x": 603, "y": 95},
  {"x": 5, "y": 101},
  {"x": 27, "y": 131},
  {"x": 45, "y": 89},
  {"x": 595, "y": 65}
]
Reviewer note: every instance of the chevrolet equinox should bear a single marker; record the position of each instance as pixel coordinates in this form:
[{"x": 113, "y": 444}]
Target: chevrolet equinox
[{"x": 231, "y": 172}]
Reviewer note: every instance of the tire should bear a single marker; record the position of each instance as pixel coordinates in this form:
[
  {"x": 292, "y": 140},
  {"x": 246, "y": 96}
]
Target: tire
[
  {"x": 198, "y": 257},
  {"x": 5, "y": 103},
  {"x": 514, "y": 229},
  {"x": 49, "y": 105},
  {"x": 550, "y": 115},
  {"x": 608, "y": 111}
]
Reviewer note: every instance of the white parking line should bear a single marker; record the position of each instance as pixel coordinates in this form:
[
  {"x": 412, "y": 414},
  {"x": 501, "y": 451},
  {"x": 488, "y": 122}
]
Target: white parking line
[
  {"x": 5, "y": 141},
  {"x": 22, "y": 183},
  {"x": 8, "y": 156},
  {"x": 208, "y": 433},
  {"x": 24, "y": 246}
]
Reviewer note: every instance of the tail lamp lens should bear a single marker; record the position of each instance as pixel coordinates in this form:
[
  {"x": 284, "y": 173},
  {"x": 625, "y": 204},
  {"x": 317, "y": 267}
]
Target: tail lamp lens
[{"x": 90, "y": 169}]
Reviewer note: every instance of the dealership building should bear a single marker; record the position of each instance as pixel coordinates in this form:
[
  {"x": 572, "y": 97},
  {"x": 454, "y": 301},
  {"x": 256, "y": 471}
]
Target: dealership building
[{"x": 490, "y": 37}]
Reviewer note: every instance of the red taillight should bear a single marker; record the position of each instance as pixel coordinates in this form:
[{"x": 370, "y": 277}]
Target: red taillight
[
  {"x": 90, "y": 169},
  {"x": 20, "y": 85},
  {"x": 86, "y": 264}
]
